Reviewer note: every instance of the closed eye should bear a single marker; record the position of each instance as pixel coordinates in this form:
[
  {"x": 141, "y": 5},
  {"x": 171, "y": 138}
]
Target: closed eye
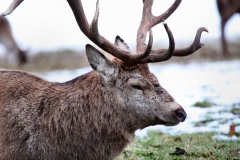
[{"x": 137, "y": 87}]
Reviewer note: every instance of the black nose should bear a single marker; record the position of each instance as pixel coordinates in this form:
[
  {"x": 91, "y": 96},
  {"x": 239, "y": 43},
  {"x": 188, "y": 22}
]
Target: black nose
[{"x": 181, "y": 114}]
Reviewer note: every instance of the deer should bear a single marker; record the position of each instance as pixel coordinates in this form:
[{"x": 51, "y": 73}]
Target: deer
[
  {"x": 226, "y": 8},
  {"x": 8, "y": 41},
  {"x": 95, "y": 115}
]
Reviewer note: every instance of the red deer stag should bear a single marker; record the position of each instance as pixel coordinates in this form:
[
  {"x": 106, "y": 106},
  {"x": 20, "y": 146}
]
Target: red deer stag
[
  {"x": 93, "y": 116},
  {"x": 7, "y": 40},
  {"x": 226, "y": 9}
]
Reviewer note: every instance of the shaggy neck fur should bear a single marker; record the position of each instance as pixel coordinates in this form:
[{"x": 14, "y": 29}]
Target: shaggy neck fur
[{"x": 90, "y": 117}]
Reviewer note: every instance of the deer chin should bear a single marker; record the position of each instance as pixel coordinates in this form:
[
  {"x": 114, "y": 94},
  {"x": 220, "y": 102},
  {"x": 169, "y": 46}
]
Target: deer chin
[
  {"x": 158, "y": 121},
  {"x": 173, "y": 122}
]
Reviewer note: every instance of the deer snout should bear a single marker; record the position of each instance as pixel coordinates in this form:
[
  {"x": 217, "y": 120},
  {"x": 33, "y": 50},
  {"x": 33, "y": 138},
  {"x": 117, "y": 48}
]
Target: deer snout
[{"x": 181, "y": 114}]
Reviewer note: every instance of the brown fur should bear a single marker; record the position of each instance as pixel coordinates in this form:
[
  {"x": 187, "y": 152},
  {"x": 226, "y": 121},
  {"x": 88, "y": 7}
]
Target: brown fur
[
  {"x": 93, "y": 116},
  {"x": 226, "y": 8},
  {"x": 7, "y": 40}
]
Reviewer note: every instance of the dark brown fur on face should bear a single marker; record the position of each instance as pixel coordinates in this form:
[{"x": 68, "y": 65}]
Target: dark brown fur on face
[{"x": 93, "y": 116}]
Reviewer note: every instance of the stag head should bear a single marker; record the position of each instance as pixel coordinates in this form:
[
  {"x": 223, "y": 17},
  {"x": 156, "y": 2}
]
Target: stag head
[{"x": 136, "y": 91}]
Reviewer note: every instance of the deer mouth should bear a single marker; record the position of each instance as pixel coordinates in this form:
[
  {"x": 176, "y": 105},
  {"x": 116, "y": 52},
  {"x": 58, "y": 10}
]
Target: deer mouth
[
  {"x": 171, "y": 124},
  {"x": 159, "y": 121},
  {"x": 178, "y": 116}
]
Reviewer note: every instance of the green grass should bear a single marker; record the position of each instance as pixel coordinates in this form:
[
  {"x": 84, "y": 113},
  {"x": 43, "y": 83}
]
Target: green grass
[
  {"x": 197, "y": 146},
  {"x": 204, "y": 121},
  {"x": 235, "y": 111},
  {"x": 204, "y": 104}
]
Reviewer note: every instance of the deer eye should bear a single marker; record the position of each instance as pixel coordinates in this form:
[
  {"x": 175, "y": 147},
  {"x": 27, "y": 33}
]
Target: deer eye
[
  {"x": 137, "y": 87},
  {"x": 156, "y": 85}
]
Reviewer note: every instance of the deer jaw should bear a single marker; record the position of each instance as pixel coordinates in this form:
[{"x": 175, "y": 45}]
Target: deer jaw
[{"x": 137, "y": 92}]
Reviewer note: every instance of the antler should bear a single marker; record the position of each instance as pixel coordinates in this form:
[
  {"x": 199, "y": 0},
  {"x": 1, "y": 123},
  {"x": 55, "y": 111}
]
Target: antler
[
  {"x": 125, "y": 55},
  {"x": 12, "y": 7},
  {"x": 91, "y": 31},
  {"x": 189, "y": 50},
  {"x": 149, "y": 20},
  {"x": 144, "y": 53},
  {"x": 120, "y": 49}
]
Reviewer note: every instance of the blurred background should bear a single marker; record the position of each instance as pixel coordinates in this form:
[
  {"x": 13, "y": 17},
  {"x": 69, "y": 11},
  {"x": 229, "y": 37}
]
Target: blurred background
[
  {"x": 50, "y": 25},
  {"x": 54, "y": 45}
]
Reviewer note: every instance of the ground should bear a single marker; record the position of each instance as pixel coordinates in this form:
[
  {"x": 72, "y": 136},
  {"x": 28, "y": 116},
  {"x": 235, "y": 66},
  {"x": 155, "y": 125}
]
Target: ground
[{"x": 159, "y": 146}]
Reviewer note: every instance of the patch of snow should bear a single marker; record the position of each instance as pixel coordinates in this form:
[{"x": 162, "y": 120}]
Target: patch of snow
[{"x": 224, "y": 137}]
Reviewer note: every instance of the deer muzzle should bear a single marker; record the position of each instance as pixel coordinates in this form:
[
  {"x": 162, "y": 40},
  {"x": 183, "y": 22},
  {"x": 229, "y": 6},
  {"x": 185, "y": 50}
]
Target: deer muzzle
[{"x": 181, "y": 114}]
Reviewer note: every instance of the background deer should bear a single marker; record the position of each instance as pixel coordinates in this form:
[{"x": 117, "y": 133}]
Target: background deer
[
  {"x": 226, "y": 9},
  {"x": 95, "y": 115},
  {"x": 7, "y": 40}
]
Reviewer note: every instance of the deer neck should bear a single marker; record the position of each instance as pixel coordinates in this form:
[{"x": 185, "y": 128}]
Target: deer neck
[{"x": 91, "y": 116}]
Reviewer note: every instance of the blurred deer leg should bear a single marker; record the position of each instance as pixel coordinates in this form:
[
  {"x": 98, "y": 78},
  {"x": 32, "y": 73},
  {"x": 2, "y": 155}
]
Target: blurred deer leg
[
  {"x": 22, "y": 57},
  {"x": 225, "y": 50}
]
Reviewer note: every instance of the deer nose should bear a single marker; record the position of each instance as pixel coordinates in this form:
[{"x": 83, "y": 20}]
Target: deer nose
[{"x": 181, "y": 114}]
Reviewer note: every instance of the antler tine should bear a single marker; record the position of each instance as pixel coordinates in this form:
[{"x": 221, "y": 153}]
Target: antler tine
[
  {"x": 194, "y": 46},
  {"x": 167, "y": 53},
  {"x": 12, "y": 7},
  {"x": 100, "y": 40},
  {"x": 166, "y": 14},
  {"x": 186, "y": 51},
  {"x": 94, "y": 25},
  {"x": 92, "y": 33},
  {"x": 149, "y": 20}
]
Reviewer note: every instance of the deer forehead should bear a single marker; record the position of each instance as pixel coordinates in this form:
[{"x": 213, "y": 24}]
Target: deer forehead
[
  {"x": 141, "y": 71},
  {"x": 141, "y": 77}
]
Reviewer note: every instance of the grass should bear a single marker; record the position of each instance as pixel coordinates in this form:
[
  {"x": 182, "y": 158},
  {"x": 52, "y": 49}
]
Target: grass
[
  {"x": 203, "y": 104},
  {"x": 236, "y": 109},
  {"x": 196, "y": 146},
  {"x": 204, "y": 122}
]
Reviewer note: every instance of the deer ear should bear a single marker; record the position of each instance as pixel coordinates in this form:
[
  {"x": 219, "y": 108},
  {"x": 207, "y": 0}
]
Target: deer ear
[{"x": 99, "y": 62}]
